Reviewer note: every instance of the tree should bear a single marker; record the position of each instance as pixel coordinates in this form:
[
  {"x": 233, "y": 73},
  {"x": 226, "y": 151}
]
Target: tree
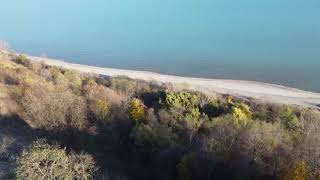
[
  {"x": 221, "y": 138},
  {"x": 267, "y": 146},
  {"x": 290, "y": 119},
  {"x": 136, "y": 109},
  {"x": 180, "y": 99},
  {"x": 241, "y": 113},
  {"x": 152, "y": 137},
  {"x": 308, "y": 143},
  {"x": 193, "y": 121}
]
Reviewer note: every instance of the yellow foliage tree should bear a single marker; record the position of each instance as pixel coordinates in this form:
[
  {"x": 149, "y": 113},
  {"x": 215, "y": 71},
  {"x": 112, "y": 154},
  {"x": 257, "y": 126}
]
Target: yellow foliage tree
[
  {"x": 241, "y": 114},
  {"x": 136, "y": 109},
  {"x": 297, "y": 172}
]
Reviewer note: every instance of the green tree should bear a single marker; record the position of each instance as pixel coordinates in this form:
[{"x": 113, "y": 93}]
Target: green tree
[
  {"x": 152, "y": 137},
  {"x": 193, "y": 121},
  {"x": 180, "y": 99},
  {"x": 290, "y": 119}
]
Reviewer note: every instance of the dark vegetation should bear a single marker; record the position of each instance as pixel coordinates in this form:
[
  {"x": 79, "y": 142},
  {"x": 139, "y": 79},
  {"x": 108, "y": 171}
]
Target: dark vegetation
[{"x": 60, "y": 124}]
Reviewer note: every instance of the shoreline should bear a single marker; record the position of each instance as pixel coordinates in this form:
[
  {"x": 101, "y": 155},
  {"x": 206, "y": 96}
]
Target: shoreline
[{"x": 252, "y": 89}]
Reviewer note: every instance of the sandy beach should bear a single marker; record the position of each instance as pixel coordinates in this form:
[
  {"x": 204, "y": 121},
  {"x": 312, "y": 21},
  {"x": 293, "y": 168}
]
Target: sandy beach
[{"x": 257, "y": 90}]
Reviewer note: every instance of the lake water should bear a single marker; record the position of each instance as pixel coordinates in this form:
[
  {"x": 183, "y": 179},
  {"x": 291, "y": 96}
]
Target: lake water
[{"x": 270, "y": 41}]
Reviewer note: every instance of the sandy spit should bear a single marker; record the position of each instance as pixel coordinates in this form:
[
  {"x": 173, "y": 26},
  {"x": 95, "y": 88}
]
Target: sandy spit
[{"x": 257, "y": 90}]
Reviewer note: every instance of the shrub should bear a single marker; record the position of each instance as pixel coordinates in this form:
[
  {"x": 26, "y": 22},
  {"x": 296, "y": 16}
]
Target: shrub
[
  {"x": 122, "y": 85},
  {"x": 214, "y": 109},
  {"x": 58, "y": 78},
  {"x": 102, "y": 110},
  {"x": 180, "y": 99},
  {"x": 230, "y": 101},
  {"x": 28, "y": 79},
  {"x": 221, "y": 137},
  {"x": 267, "y": 145},
  {"x": 8, "y": 65},
  {"x": 127, "y": 86},
  {"x": 297, "y": 172},
  {"x": 5, "y": 143},
  {"x": 83, "y": 166},
  {"x": 193, "y": 119},
  {"x": 44, "y": 107},
  {"x": 73, "y": 77},
  {"x": 136, "y": 109},
  {"x": 185, "y": 121},
  {"x": 204, "y": 99},
  {"x": 152, "y": 99},
  {"x": 89, "y": 81},
  {"x": 98, "y": 92},
  {"x": 44, "y": 161},
  {"x": 290, "y": 119},
  {"x": 193, "y": 114},
  {"x": 260, "y": 140},
  {"x": 241, "y": 113},
  {"x": 170, "y": 117},
  {"x": 308, "y": 141},
  {"x": 104, "y": 103},
  {"x": 150, "y": 116},
  {"x": 184, "y": 166},
  {"x": 23, "y": 60},
  {"x": 9, "y": 77},
  {"x": 152, "y": 137}
]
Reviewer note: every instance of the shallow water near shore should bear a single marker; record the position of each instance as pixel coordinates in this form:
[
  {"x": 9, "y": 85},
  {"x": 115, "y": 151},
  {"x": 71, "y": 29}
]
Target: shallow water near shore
[{"x": 245, "y": 40}]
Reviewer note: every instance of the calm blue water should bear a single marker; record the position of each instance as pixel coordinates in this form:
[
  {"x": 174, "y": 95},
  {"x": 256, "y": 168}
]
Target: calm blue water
[{"x": 275, "y": 41}]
